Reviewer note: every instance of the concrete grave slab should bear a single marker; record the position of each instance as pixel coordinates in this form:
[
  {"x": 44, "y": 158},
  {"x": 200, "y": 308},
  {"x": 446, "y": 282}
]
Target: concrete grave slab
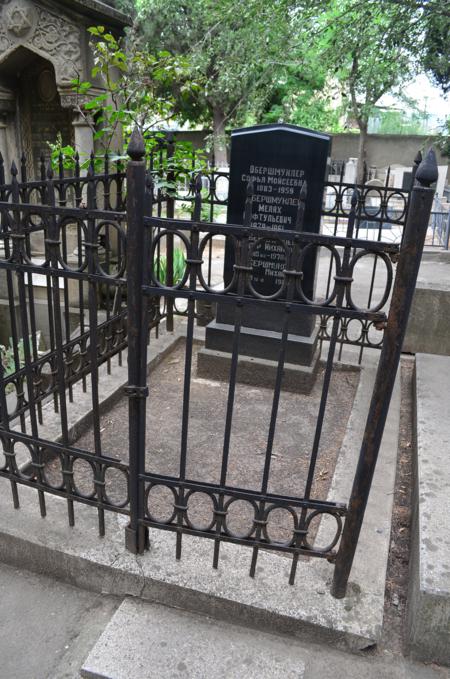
[{"x": 155, "y": 642}]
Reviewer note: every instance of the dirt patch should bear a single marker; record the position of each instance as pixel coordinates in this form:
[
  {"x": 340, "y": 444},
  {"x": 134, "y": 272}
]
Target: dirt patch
[
  {"x": 396, "y": 592},
  {"x": 293, "y": 442}
]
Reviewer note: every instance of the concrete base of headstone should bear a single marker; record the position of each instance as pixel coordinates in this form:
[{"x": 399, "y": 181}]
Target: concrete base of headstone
[
  {"x": 257, "y": 372},
  {"x": 259, "y": 351}
]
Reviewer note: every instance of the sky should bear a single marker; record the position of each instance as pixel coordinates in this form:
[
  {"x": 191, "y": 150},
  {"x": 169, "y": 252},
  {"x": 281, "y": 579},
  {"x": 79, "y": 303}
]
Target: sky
[{"x": 428, "y": 96}]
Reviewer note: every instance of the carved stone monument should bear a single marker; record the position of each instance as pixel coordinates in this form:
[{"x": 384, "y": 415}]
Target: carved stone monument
[{"x": 44, "y": 45}]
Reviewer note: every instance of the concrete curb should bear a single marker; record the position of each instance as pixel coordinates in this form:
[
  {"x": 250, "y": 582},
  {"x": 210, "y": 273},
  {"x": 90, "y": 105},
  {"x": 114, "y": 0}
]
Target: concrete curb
[
  {"x": 429, "y": 577},
  {"x": 78, "y": 556}
]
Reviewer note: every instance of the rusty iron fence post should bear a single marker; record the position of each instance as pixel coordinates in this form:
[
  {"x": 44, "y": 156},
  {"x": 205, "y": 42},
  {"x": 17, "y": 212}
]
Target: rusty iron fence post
[
  {"x": 407, "y": 269},
  {"x": 136, "y": 535}
]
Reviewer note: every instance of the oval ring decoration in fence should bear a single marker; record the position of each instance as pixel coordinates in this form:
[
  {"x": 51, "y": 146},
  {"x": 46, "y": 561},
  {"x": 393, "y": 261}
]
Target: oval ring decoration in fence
[
  {"x": 374, "y": 196},
  {"x": 108, "y": 470},
  {"x": 5, "y": 462},
  {"x": 32, "y": 456},
  {"x": 284, "y": 246},
  {"x": 375, "y": 343},
  {"x": 122, "y": 250},
  {"x": 172, "y": 509},
  {"x": 307, "y": 251},
  {"x": 12, "y": 235},
  {"x": 392, "y": 209},
  {"x": 220, "y": 179},
  {"x": 226, "y": 519},
  {"x": 46, "y": 376},
  {"x": 12, "y": 398},
  {"x": 352, "y": 329},
  {"x": 330, "y": 193},
  {"x": 36, "y": 196},
  {"x": 211, "y": 498},
  {"x": 81, "y": 227},
  {"x": 266, "y": 528},
  {"x": 389, "y": 277},
  {"x": 56, "y": 469},
  {"x": 183, "y": 280},
  {"x": 320, "y": 512},
  {"x": 73, "y": 468},
  {"x": 203, "y": 243},
  {"x": 345, "y": 200},
  {"x": 25, "y": 244}
]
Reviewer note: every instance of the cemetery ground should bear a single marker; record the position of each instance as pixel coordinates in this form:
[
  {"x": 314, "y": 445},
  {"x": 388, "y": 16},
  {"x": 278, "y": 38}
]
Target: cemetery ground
[
  {"x": 293, "y": 440},
  {"x": 59, "y": 624},
  {"x": 59, "y": 646}
]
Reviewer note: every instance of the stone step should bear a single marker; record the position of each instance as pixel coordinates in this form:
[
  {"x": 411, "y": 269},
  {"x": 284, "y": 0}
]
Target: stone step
[{"x": 150, "y": 641}]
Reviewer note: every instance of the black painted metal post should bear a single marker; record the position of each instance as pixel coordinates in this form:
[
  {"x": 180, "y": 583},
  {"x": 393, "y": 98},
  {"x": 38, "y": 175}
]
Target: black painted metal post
[
  {"x": 402, "y": 296},
  {"x": 136, "y": 535},
  {"x": 170, "y": 214}
]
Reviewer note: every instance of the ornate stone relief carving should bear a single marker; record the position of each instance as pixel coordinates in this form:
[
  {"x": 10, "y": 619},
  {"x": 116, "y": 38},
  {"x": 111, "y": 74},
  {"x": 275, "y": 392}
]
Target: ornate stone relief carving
[{"x": 25, "y": 23}]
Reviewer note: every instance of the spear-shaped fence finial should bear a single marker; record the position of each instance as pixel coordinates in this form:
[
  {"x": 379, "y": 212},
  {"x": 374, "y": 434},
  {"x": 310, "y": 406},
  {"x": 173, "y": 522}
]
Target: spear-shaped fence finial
[
  {"x": 427, "y": 172},
  {"x": 136, "y": 145}
]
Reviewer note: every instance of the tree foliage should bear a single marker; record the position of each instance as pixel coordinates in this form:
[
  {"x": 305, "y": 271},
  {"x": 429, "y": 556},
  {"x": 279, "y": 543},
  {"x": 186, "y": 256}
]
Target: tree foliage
[
  {"x": 133, "y": 80},
  {"x": 234, "y": 50},
  {"x": 367, "y": 49}
]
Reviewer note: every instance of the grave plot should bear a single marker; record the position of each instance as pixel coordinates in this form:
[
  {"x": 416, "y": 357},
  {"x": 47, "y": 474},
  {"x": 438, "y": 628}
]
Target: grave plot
[{"x": 292, "y": 446}]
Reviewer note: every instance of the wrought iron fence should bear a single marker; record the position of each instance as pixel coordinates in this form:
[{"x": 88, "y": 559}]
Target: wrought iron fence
[
  {"x": 380, "y": 216},
  {"x": 145, "y": 233},
  {"x": 109, "y": 263}
]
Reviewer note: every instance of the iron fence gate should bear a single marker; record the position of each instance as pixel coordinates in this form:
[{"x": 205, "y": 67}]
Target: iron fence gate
[
  {"x": 144, "y": 234},
  {"x": 115, "y": 274}
]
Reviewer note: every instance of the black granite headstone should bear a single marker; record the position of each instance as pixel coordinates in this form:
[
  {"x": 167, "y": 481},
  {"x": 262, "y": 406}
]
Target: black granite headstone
[{"x": 278, "y": 158}]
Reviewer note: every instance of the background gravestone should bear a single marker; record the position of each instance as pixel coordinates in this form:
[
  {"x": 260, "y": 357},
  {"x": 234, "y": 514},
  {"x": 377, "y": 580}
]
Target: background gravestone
[{"x": 278, "y": 158}]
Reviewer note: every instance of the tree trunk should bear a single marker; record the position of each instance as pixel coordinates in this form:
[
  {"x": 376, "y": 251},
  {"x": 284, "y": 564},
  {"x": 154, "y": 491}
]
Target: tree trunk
[
  {"x": 219, "y": 138},
  {"x": 362, "y": 151}
]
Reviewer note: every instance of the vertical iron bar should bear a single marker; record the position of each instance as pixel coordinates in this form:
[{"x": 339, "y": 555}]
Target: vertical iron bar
[
  {"x": 169, "y": 241},
  {"x": 18, "y": 256},
  {"x": 8, "y": 444},
  {"x": 193, "y": 263},
  {"x": 91, "y": 246},
  {"x": 342, "y": 281},
  {"x": 243, "y": 271},
  {"x": 53, "y": 243},
  {"x": 290, "y": 275},
  {"x": 136, "y": 535}
]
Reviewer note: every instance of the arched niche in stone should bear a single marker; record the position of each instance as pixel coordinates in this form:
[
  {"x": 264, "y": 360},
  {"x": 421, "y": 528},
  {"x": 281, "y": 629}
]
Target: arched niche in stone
[
  {"x": 38, "y": 113},
  {"x": 47, "y": 51}
]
